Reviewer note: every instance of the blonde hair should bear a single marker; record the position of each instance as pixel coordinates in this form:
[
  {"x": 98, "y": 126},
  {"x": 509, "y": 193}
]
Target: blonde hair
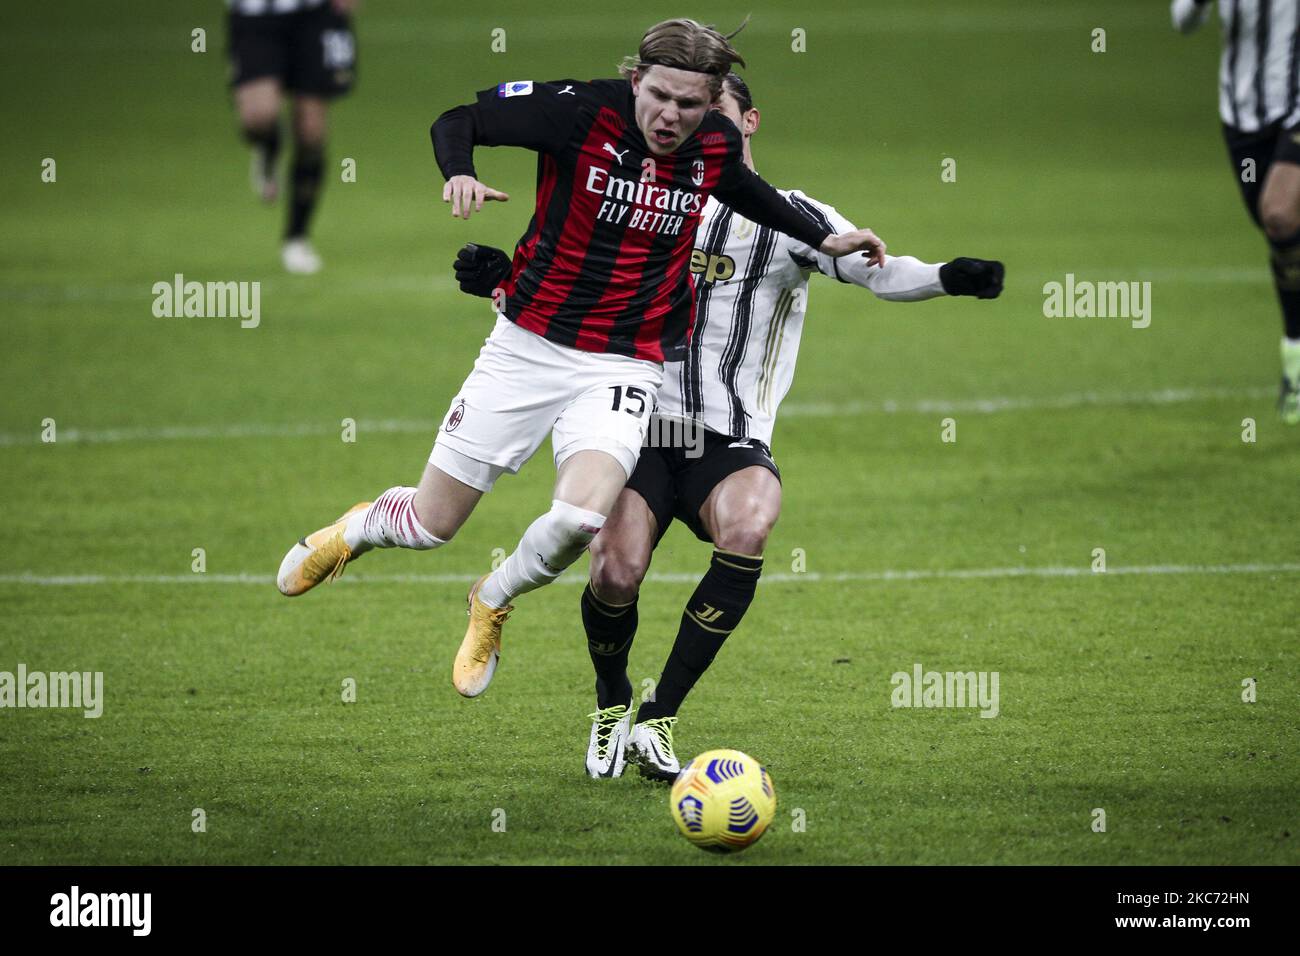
[{"x": 686, "y": 45}]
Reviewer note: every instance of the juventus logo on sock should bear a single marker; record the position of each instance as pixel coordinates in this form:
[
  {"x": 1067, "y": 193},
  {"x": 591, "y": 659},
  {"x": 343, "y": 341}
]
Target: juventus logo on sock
[{"x": 708, "y": 614}]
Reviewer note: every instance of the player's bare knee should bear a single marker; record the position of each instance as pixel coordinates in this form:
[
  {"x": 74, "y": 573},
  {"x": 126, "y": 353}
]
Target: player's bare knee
[
  {"x": 746, "y": 534},
  {"x": 258, "y": 122},
  {"x": 309, "y": 126},
  {"x": 310, "y": 139},
  {"x": 615, "y": 576},
  {"x": 1280, "y": 219}
]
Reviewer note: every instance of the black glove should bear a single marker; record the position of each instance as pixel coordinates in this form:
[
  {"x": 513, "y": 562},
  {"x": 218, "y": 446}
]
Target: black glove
[
  {"x": 480, "y": 269},
  {"x": 981, "y": 278}
]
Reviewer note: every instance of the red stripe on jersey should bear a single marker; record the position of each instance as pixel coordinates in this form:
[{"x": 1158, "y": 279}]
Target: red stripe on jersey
[
  {"x": 576, "y": 229},
  {"x": 648, "y": 335},
  {"x": 625, "y": 281},
  {"x": 545, "y": 189}
]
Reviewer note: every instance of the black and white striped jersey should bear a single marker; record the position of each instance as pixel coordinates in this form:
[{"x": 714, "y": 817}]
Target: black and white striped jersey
[
  {"x": 1258, "y": 68},
  {"x": 751, "y": 289},
  {"x": 257, "y": 8}
]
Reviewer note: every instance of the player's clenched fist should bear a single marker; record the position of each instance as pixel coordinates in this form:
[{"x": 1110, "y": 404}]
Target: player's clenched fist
[
  {"x": 981, "y": 278},
  {"x": 864, "y": 240},
  {"x": 480, "y": 269},
  {"x": 467, "y": 194}
]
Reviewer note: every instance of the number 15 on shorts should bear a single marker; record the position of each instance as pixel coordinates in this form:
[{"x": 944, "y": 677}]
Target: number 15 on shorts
[{"x": 624, "y": 395}]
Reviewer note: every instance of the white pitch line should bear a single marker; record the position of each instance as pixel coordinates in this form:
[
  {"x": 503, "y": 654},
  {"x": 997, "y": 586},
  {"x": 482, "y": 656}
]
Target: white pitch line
[
  {"x": 779, "y": 577},
  {"x": 95, "y": 436},
  {"x": 925, "y": 406},
  {"x": 990, "y": 406}
]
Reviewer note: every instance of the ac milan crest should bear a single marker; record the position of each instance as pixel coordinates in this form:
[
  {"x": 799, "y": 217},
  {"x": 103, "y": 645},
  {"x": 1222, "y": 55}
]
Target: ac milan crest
[{"x": 454, "y": 419}]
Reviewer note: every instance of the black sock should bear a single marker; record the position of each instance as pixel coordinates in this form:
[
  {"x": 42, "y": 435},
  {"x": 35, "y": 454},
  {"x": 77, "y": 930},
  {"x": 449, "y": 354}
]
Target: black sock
[
  {"x": 610, "y": 629},
  {"x": 713, "y": 612},
  {"x": 266, "y": 141},
  {"x": 1286, "y": 278},
  {"x": 308, "y": 169}
]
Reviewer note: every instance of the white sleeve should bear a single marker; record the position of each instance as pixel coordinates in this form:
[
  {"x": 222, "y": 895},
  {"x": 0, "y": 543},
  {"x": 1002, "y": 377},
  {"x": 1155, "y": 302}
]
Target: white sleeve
[{"x": 900, "y": 279}]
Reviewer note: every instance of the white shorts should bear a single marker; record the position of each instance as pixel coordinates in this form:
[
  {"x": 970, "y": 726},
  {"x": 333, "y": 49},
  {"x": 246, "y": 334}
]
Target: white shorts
[{"x": 524, "y": 387}]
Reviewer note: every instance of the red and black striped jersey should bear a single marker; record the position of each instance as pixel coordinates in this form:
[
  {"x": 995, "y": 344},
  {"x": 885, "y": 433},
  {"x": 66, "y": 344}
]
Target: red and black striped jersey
[{"x": 604, "y": 265}]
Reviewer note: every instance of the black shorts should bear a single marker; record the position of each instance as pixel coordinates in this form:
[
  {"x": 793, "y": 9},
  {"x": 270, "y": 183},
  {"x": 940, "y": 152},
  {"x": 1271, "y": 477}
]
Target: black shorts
[
  {"x": 676, "y": 486},
  {"x": 1267, "y": 146},
  {"x": 312, "y": 52}
]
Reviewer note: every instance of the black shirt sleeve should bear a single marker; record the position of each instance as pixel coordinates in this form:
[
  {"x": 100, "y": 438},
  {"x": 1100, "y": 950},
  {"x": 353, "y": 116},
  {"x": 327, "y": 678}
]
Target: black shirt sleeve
[
  {"x": 540, "y": 118},
  {"x": 757, "y": 200}
]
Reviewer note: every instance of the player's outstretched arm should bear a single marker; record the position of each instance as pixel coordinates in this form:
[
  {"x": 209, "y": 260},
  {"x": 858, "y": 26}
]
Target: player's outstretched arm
[
  {"x": 908, "y": 279},
  {"x": 855, "y": 240},
  {"x": 894, "y": 278}
]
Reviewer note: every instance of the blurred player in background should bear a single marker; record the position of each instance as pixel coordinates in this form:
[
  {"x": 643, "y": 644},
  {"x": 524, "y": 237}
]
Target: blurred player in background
[
  {"x": 598, "y": 298},
  {"x": 751, "y": 288},
  {"x": 304, "y": 48},
  {"x": 1259, "y": 79}
]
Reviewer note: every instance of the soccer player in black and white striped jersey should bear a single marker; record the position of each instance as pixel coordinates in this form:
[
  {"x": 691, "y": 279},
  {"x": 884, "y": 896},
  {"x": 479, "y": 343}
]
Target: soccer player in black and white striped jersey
[
  {"x": 1259, "y": 104},
  {"x": 304, "y": 48},
  {"x": 751, "y": 287}
]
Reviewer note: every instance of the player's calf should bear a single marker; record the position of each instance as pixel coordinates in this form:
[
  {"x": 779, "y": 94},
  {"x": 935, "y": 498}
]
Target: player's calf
[
  {"x": 262, "y": 171},
  {"x": 620, "y": 556},
  {"x": 258, "y": 104},
  {"x": 551, "y": 543},
  {"x": 610, "y": 629}
]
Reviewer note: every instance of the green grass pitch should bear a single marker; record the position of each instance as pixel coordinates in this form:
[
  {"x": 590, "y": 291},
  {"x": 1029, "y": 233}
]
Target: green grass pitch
[{"x": 1120, "y": 691}]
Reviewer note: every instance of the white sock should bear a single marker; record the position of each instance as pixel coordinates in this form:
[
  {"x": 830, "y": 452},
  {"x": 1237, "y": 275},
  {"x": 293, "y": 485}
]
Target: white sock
[
  {"x": 389, "y": 523},
  {"x": 1291, "y": 359},
  {"x": 551, "y": 543}
]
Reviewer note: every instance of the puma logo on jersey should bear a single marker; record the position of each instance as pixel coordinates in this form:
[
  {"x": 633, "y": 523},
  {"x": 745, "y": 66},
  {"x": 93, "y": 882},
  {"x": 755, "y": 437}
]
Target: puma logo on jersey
[
  {"x": 609, "y": 148},
  {"x": 568, "y": 89}
]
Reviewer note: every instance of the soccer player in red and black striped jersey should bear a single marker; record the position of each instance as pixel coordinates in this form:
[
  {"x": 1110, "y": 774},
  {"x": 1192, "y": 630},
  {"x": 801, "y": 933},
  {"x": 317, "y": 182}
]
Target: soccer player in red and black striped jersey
[{"x": 598, "y": 298}]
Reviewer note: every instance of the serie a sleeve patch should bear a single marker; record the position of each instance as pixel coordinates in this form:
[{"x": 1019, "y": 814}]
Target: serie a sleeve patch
[{"x": 515, "y": 88}]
